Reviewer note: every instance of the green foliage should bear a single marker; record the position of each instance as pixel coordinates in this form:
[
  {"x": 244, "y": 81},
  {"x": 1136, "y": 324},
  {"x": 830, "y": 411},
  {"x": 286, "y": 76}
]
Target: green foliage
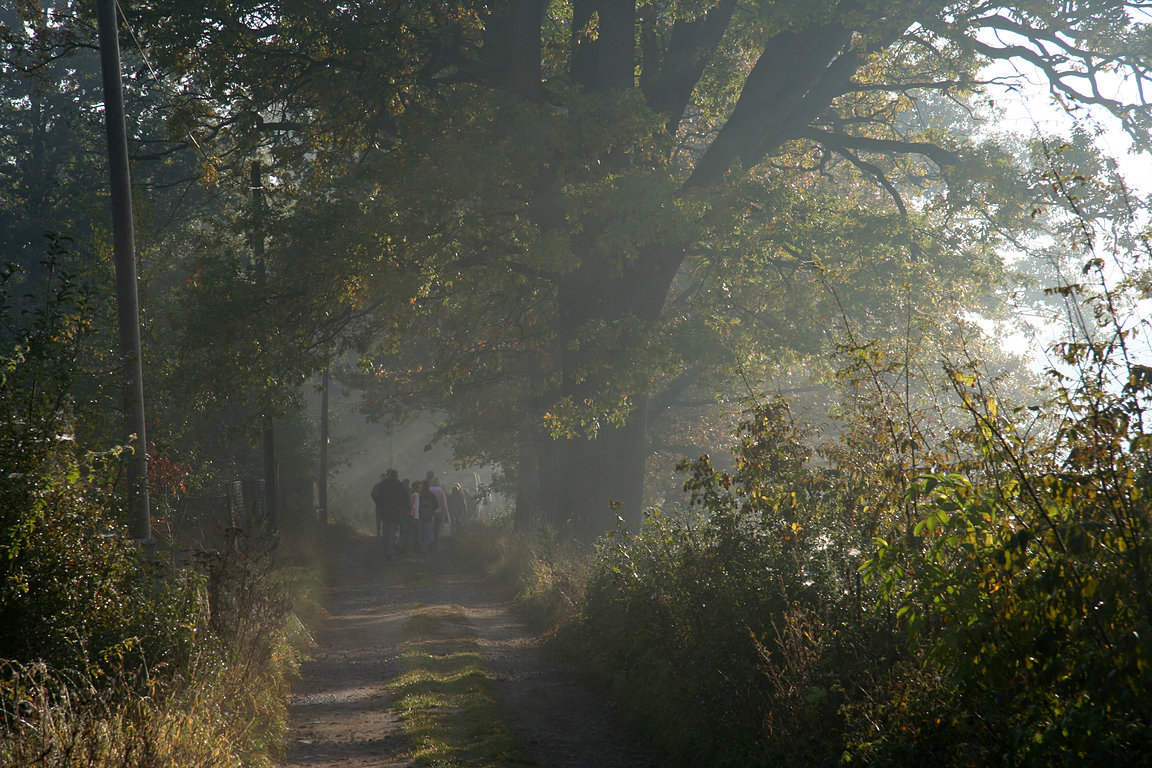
[
  {"x": 73, "y": 592},
  {"x": 1025, "y": 583},
  {"x": 1001, "y": 616},
  {"x": 110, "y": 655},
  {"x": 1006, "y": 624},
  {"x": 736, "y": 628},
  {"x": 919, "y": 590}
]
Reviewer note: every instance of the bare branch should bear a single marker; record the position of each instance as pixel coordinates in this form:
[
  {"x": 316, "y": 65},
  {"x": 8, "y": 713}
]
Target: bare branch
[{"x": 872, "y": 170}]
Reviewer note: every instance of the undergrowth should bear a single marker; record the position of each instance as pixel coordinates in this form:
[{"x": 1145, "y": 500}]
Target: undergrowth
[
  {"x": 222, "y": 703},
  {"x": 543, "y": 573},
  {"x": 111, "y": 656},
  {"x": 962, "y": 584}
]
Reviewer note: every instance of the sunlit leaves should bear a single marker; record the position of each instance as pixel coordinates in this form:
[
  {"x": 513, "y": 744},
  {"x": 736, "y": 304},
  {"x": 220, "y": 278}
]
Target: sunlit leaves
[
  {"x": 1025, "y": 580},
  {"x": 535, "y": 241}
]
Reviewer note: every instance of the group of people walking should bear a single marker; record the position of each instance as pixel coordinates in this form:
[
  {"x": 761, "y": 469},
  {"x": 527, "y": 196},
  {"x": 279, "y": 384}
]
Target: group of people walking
[{"x": 412, "y": 516}]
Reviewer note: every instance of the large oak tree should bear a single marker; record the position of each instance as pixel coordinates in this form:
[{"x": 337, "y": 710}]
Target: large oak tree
[{"x": 521, "y": 207}]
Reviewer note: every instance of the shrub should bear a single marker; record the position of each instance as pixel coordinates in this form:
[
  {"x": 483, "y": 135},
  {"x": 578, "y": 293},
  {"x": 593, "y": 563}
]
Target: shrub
[
  {"x": 735, "y": 628},
  {"x": 109, "y": 657},
  {"x": 74, "y": 593},
  {"x": 1023, "y": 587},
  {"x": 1027, "y": 586}
]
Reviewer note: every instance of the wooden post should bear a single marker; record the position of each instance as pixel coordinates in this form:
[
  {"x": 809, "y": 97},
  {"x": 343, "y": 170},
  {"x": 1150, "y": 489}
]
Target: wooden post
[
  {"x": 271, "y": 479},
  {"x": 124, "y": 249}
]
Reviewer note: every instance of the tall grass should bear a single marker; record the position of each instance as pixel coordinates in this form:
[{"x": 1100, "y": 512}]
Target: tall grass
[
  {"x": 225, "y": 705},
  {"x": 543, "y": 573}
]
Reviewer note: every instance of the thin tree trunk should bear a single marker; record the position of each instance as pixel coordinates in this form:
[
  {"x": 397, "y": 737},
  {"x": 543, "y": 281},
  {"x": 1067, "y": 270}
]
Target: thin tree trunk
[
  {"x": 528, "y": 478},
  {"x": 322, "y": 488},
  {"x": 271, "y": 479}
]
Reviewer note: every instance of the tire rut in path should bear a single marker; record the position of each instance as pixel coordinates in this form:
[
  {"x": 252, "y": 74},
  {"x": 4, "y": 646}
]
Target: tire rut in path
[{"x": 340, "y": 712}]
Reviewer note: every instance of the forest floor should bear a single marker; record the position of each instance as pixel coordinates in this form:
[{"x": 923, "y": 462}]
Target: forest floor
[{"x": 344, "y": 709}]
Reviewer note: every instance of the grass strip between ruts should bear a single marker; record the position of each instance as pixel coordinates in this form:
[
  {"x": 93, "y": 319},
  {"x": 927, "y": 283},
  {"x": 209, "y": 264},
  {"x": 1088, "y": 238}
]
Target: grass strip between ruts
[{"x": 445, "y": 697}]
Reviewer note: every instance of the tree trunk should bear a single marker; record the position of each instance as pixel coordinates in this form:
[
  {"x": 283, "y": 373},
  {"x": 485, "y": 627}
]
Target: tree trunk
[
  {"x": 322, "y": 488},
  {"x": 529, "y": 478},
  {"x": 609, "y": 305},
  {"x": 601, "y": 485},
  {"x": 606, "y": 316}
]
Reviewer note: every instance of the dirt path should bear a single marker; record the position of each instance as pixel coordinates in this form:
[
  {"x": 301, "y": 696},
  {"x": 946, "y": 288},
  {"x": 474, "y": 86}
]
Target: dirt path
[{"x": 341, "y": 710}]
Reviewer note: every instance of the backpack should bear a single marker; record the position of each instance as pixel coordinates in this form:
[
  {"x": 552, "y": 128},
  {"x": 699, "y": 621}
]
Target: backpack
[{"x": 428, "y": 503}]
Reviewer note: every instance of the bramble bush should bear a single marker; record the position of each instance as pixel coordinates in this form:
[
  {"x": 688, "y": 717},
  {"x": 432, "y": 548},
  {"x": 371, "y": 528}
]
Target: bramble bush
[
  {"x": 1025, "y": 586},
  {"x": 1008, "y": 625}
]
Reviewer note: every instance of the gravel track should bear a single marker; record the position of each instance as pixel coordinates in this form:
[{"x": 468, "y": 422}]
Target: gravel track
[{"x": 340, "y": 712}]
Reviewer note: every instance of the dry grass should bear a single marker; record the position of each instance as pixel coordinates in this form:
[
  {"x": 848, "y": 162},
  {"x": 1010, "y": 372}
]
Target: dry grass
[
  {"x": 226, "y": 707},
  {"x": 547, "y": 577}
]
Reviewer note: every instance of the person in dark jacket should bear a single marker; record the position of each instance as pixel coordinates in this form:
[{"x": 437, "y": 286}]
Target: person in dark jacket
[
  {"x": 458, "y": 507},
  {"x": 391, "y": 498}
]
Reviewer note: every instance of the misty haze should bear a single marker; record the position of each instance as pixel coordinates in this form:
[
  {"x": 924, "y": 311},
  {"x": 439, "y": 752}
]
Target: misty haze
[{"x": 575, "y": 383}]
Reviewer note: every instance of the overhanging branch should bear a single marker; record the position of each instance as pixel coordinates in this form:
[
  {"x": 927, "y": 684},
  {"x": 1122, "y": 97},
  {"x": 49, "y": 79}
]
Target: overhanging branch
[{"x": 842, "y": 142}]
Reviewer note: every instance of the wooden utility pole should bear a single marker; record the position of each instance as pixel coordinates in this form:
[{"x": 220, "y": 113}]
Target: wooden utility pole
[
  {"x": 124, "y": 249},
  {"x": 323, "y": 486},
  {"x": 271, "y": 479}
]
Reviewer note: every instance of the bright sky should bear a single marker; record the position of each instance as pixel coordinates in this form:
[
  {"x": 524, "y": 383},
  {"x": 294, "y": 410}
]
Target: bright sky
[{"x": 1032, "y": 109}]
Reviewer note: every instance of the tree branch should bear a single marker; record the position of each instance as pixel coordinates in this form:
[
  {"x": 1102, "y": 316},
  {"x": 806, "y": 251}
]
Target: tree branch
[
  {"x": 668, "y": 77},
  {"x": 875, "y": 172},
  {"x": 792, "y": 65},
  {"x": 842, "y": 142},
  {"x": 659, "y": 404}
]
